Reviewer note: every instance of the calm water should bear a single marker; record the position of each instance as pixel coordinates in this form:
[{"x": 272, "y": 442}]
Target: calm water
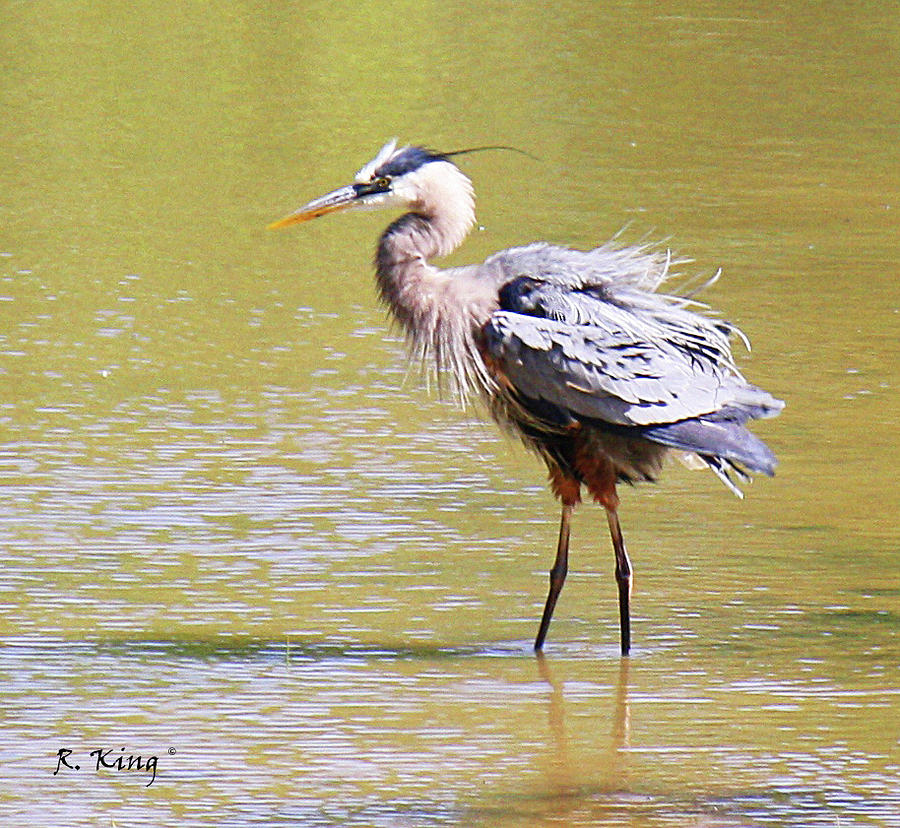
[{"x": 239, "y": 536}]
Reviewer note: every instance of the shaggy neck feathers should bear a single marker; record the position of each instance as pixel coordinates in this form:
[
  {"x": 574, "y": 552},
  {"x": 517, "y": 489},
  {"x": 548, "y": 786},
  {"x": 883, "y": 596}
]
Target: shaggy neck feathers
[{"x": 440, "y": 311}]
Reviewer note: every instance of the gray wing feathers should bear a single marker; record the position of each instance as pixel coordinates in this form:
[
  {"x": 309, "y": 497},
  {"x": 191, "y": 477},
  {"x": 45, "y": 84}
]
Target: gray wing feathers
[
  {"x": 727, "y": 438},
  {"x": 586, "y": 333},
  {"x": 604, "y": 373},
  {"x": 614, "y": 353}
]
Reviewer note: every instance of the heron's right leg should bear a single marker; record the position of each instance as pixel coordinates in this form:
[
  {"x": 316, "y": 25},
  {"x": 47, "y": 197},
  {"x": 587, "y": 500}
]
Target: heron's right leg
[{"x": 557, "y": 574}]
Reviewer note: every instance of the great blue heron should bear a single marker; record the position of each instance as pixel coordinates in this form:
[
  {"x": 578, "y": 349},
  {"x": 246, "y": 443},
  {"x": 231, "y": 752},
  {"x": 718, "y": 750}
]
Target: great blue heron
[{"x": 574, "y": 351}]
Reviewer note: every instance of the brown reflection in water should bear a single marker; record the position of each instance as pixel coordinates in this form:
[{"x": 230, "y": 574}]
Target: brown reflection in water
[
  {"x": 565, "y": 777},
  {"x": 622, "y": 719}
]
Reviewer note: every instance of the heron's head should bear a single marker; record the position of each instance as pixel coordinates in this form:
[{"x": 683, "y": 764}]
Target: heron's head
[{"x": 406, "y": 177}]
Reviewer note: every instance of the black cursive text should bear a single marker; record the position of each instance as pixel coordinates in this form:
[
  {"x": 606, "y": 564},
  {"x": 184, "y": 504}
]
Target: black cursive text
[{"x": 108, "y": 758}]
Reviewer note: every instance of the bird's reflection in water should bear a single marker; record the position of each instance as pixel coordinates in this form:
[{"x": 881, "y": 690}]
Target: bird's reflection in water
[
  {"x": 622, "y": 719},
  {"x": 566, "y": 775}
]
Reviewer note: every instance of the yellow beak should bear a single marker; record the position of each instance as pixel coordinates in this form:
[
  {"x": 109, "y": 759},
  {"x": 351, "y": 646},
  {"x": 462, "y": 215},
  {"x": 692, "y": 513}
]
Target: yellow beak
[{"x": 339, "y": 199}]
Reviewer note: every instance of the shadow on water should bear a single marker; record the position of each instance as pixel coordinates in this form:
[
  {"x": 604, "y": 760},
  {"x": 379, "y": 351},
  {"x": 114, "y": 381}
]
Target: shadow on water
[
  {"x": 237, "y": 649},
  {"x": 251, "y": 649},
  {"x": 287, "y": 650}
]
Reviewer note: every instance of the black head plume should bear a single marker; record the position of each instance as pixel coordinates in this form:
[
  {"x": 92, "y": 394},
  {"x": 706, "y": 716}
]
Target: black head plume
[{"x": 501, "y": 147}]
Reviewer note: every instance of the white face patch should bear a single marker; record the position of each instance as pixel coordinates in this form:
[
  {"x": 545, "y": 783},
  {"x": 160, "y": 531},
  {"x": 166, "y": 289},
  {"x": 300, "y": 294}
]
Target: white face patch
[
  {"x": 378, "y": 201},
  {"x": 409, "y": 187}
]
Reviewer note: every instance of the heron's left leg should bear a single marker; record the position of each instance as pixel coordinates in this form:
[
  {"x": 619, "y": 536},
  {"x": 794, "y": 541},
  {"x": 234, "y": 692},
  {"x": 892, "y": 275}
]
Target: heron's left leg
[
  {"x": 603, "y": 488},
  {"x": 623, "y": 577}
]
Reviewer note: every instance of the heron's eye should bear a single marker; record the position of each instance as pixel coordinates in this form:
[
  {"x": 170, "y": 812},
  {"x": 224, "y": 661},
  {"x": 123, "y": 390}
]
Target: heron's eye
[{"x": 382, "y": 181}]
